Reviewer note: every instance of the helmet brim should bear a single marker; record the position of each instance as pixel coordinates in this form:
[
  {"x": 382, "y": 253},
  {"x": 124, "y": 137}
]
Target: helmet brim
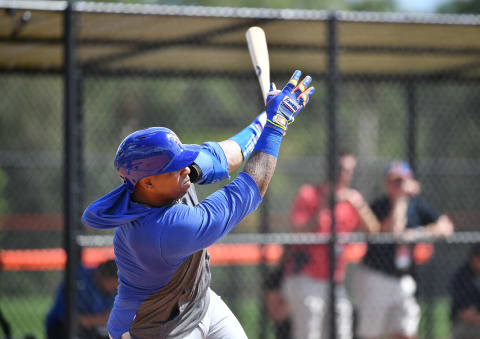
[{"x": 185, "y": 158}]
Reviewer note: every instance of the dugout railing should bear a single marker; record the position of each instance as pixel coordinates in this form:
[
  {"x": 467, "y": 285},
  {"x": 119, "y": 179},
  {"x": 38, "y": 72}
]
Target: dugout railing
[{"x": 84, "y": 74}]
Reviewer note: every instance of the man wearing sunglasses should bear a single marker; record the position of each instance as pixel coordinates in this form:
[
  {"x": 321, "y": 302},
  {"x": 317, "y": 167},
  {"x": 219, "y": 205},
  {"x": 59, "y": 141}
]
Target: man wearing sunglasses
[{"x": 384, "y": 285}]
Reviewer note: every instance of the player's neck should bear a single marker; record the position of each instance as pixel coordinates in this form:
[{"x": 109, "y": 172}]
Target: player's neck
[{"x": 149, "y": 199}]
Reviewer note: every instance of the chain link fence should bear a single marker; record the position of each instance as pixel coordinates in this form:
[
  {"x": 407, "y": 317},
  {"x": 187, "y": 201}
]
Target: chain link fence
[{"x": 432, "y": 122}]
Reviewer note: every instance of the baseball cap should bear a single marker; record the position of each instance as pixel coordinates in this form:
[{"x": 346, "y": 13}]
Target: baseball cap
[{"x": 399, "y": 169}]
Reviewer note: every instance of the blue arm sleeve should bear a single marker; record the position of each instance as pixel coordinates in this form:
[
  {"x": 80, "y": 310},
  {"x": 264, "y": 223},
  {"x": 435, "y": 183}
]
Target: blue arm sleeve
[
  {"x": 190, "y": 229},
  {"x": 213, "y": 163}
]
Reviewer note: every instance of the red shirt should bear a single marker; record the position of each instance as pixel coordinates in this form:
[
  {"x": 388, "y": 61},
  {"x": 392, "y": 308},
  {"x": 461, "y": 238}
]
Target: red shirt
[{"x": 312, "y": 200}]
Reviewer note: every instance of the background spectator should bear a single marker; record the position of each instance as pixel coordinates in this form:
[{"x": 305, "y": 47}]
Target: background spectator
[
  {"x": 465, "y": 293},
  {"x": 306, "y": 285},
  {"x": 384, "y": 287},
  {"x": 96, "y": 289},
  {"x": 275, "y": 303}
]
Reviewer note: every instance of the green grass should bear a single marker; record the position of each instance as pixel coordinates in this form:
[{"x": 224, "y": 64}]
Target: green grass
[
  {"x": 26, "y": 314},
  {"x": 248, "y": 313}
]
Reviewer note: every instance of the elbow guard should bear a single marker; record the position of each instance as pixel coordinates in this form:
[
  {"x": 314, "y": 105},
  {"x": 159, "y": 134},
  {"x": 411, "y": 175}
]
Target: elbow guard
[
  {"x": 212, "y": 164},
  {"x": 195, "y": 173}
]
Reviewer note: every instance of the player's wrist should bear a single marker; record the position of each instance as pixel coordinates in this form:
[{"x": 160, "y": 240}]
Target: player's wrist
[
  {"x": 277, "y": 121},
  {"x": 270, "y": 140},
  {"x": 248, "y": 137}
]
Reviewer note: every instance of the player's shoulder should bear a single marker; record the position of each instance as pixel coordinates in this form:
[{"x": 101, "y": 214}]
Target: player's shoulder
[{"x": 178, "y": 213}]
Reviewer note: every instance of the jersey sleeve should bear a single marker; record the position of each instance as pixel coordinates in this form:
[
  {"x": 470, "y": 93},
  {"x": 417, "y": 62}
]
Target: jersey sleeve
[
  {"x": 213, "y": 162},
  {"x": 189, "y": 229}
]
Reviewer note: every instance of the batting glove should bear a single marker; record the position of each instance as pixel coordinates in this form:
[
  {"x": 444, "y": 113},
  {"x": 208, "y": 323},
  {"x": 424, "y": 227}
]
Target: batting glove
[{"x": 283, "y": 107}]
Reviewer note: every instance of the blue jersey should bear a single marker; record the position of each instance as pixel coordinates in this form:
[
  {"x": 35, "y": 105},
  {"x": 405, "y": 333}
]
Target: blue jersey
[
  {"x": 90, "y": 300},
  {"x": 151, "y": 243}
]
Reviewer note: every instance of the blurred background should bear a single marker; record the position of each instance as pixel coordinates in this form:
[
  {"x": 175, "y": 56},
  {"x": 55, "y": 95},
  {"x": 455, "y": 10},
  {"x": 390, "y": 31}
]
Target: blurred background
[{"x": 407, "y": 85}]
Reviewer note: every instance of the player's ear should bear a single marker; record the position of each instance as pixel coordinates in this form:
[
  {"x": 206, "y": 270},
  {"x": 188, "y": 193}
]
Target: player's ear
[{"x": 146, "y": 183}]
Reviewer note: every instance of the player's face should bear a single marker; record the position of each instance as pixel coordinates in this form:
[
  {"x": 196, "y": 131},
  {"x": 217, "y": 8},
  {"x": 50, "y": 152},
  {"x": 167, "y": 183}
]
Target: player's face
[{"x": 172, "y": 185}]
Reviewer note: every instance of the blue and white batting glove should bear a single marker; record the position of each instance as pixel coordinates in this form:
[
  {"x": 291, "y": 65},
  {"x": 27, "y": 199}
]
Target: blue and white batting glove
[{"x": 283, "y": 107}]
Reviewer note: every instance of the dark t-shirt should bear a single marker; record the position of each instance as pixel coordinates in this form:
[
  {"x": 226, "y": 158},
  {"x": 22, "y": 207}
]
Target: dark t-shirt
[
  {"x": 382, "y": 257},
  {"x": 465, "y": 290}
]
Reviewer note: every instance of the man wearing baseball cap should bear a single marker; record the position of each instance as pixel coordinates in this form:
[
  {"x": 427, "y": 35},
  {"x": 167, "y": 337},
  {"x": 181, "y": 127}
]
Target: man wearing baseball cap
[
  {"x": 160, "y": 242},
  {"x": 384, "y": 286}
]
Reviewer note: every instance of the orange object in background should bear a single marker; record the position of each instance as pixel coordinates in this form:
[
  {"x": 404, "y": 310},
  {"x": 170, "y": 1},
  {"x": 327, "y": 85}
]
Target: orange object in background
[
  {"x": 50, "y": 259},
  {"x": 220, "y": 255},
  {"x": 244, "y": 254},
  {"x": 55, "y": 258},
  {"x": 354, "y": 252},
  {"x": 423, "y": 252},
  {"x": 32, "y": 260},
  {"x": 93, "y": 256}
]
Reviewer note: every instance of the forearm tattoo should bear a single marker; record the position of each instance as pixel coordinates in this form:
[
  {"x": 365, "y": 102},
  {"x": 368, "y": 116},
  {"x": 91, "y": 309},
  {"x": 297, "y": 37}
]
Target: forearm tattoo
[{"x": 260, "y": 166}]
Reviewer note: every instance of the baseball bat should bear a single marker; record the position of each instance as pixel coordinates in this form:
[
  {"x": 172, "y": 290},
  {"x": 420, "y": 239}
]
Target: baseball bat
[{"x": 257, "y": 47}]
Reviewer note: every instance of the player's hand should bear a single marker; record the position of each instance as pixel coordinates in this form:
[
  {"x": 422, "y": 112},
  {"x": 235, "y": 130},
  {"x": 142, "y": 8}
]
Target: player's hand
[{"x": 283, "y": 107}]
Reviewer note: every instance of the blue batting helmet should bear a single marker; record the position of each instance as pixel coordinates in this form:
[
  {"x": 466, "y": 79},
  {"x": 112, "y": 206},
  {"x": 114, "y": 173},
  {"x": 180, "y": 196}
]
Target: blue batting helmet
[{"x": 152, "y": 151}]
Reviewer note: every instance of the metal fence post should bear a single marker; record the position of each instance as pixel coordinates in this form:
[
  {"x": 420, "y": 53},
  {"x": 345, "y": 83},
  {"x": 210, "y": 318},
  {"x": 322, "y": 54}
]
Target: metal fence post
[
  {"x": 71, "y": 168},
  {"x": 411, "y": 124},
  {"x": 263, "y": 269},
  {"x": 332, "y": 88}
]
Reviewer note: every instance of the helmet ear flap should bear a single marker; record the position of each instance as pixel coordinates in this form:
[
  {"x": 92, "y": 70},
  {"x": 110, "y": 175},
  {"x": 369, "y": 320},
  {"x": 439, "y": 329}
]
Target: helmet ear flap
[{"x": 195, "y": 173}]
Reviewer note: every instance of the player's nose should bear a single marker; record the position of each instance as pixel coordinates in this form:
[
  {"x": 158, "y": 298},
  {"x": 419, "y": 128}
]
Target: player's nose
[{"x": 185, "y": 171}]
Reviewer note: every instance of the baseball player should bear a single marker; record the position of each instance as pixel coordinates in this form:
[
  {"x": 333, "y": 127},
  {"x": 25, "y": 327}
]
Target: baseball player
[{"x": 160, "y": 242}]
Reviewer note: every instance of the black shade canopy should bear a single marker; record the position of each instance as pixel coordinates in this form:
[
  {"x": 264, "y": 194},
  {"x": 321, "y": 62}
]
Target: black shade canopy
[{"x": 112, "y": 36}]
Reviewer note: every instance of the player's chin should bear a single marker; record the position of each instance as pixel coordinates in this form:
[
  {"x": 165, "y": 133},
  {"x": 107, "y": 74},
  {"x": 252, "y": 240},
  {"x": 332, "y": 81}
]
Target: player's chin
[{"x": 186, "y": 185}]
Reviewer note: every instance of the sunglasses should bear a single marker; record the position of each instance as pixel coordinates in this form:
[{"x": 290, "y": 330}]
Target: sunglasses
[{"x": 397, "y": 181}]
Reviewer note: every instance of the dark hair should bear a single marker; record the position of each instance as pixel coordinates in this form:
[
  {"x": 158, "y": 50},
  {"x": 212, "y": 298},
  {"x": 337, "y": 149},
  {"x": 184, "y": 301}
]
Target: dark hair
[
  {"x": 108, "y": 269},
  {"x": 345, "y": 151}
]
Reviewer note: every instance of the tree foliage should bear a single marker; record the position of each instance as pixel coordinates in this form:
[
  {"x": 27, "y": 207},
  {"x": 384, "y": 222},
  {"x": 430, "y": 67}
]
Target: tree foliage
[{"x": 461, "y": 7}]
